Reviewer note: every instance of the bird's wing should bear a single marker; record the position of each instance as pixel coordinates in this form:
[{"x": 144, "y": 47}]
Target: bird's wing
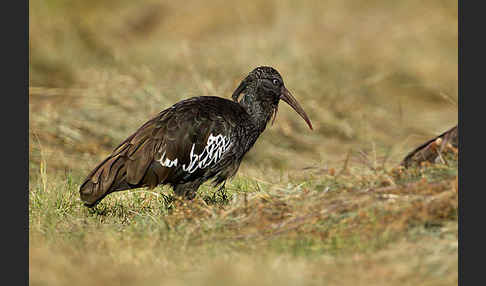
[
  {"x": 191, "y": 139},
  {"x": 181, "y": 142}
]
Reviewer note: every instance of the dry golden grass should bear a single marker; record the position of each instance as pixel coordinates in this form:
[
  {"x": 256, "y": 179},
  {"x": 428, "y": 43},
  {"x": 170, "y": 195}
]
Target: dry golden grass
[
  {"x": 396, "y": 227},
  {"x": 328, "y": 206},
  {"x": 432, "y": 264},
  {"x": 370, "y": 75}
]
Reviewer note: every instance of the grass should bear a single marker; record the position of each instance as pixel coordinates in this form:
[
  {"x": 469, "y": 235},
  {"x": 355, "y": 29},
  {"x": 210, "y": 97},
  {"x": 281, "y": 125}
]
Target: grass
[
  {"x": 328, "y": 206},
  {"x": 367, "y": 229}
]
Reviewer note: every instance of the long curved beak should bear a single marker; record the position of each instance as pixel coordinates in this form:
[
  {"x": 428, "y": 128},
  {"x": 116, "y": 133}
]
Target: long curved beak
[{"x": 287, "y": 97}]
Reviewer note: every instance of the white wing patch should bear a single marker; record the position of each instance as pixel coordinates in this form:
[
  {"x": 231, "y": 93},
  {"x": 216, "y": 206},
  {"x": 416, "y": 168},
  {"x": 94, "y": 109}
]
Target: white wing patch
[
  {"x": 212, "y": 153},
  {"x": 166, "y": 162}
]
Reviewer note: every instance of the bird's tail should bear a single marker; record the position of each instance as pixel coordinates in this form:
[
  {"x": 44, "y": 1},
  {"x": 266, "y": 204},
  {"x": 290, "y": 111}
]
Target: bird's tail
[
  {"x": 109, "y": 176},
  {"x": 131, "y": 165}
]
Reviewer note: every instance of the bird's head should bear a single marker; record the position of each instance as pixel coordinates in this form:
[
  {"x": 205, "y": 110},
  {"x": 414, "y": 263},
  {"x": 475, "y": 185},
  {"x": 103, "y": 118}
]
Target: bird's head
[{"x": 264, "y": 85}]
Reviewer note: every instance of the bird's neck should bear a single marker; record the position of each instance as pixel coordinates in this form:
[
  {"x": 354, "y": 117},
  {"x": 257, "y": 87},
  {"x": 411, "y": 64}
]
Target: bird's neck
[{"x": 260, "y": 111}]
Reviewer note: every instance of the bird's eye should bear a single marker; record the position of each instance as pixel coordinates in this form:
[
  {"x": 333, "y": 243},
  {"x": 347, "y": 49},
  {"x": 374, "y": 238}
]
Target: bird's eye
[{"x": 275, "y": 81}]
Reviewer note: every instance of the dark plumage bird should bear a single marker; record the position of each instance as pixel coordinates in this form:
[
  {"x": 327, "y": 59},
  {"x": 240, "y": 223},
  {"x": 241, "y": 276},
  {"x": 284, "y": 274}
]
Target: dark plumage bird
[
  {"x": 431, "y": 150},
  {"x": 194, "y": 140}
]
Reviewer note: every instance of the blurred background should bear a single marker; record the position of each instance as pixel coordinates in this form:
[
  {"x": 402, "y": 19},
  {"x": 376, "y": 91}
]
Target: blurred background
[{"x": 375, "y": 77}]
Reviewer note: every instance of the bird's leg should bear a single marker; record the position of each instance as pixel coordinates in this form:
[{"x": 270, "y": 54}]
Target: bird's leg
[
  {"x": 187, "y": 190},
  {"x": 221, "y": 190}
]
